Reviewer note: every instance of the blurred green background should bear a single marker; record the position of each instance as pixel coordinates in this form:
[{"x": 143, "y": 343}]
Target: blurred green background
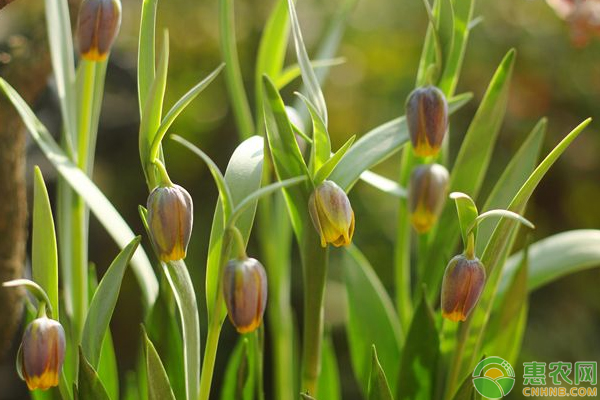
[{"x": 381, "y": 47}]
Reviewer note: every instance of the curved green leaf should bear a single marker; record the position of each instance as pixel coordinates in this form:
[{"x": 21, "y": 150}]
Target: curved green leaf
[
  {"x": 378, "y": 384},
  {"x": 467, "y": 214},
  {"x": 320, "y": 151},
  {"x": 371, "y": 320},
  {"x": 384, "y": 184},
  {"x": 89, "y": 385},
  {"x": 308, "y": 74},
  {"x": 552, "y": 258},
  {"x": 420, "y": 356},
  {"x": 328, "y": 386},
  {"x": 243, "y": 176},
  {"x": 146, "y": 50},
  {"x": 326, "y": 169},
  {"x": 377, "y": 145},
  {"x": 237, "y": 372},
  {"x": 44, "y": 258},
  {"x": 293, "y": 71},
  {"x": 93, "y": 197},
  {"x": 103, "y": 304},
  {"x": 159, "y": 387}
]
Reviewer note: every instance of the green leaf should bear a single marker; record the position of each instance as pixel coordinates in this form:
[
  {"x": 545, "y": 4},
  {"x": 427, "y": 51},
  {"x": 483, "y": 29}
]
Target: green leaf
[
  {"x": 94, "y": 198},
  {"x": 103, "y": 304},
  {"x": 321, "y": 145},
  {"x": 467, "y": 214},
  {"x": 503, "y": 214},
  {"x": 180, "y": 281},
  {"x": 328, "y": 386},
  {"x": 218, "y": 177},
  {"x": 107, "y": 367},
  {"x": 159, "y": 387},
  {"x": 470, "y": 168},
  {"x": 89, "y": 386},
  {"x": 243, "y": 176},
  {"x": 271, "y": 50},
  {"x": 371, "y": 320},
  {"x": 236, "y": 372},
  {"x": 384, "y": 184},
  {"x": 378, "y": 384},
  {"x": 178, "y": 107},
  {"x": 308, "y": 74},
  {"x": 552, "y": 258},
  {"x": 514, "y": 176},
  {"x": 420, "y": 356},
  {"x": 146, "y": 50},
  {"x": 152, "y": 114},
  {"x": 377, "y": 145},
  {"x": 36, "y": 290},
  {"x": 163, "y": 329},
  {"x": 44, "y": 258},
  {"x": 286, "y": 155},
  {"x": 466, "y": 390},
  {"x": 509, "y": 318},
  {"x": 326, "y": 169},
  {"x": 293, "y": 71},
  {"x": 462, "y": 14},
  {"x": 60, "y": 39},
  {"x": 233, "y": 74}
]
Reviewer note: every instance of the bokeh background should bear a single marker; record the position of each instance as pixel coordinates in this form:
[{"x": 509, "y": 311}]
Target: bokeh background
[{"x": 554, "y": 77}]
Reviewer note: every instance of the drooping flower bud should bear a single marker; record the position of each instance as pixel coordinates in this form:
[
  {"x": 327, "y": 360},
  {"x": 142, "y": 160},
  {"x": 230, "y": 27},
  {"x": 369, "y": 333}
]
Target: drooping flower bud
[
  {"x": 97, "y": 27},
  {"x": 427, "y": 195},
  {"x": 427, "y": 119},
  {"x": 332, "y": 214},
  {"x": 170, "y": 219},
  {"x": 245, "y": 293},
  {"x": 463, "y": 283},
  {"x": 42, "y": 353}
]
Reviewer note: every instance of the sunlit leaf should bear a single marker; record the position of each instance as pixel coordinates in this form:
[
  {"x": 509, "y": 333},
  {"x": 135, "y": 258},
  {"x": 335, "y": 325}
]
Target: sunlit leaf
[
  {"x": 378, "y": 384},
  {"x": 159, "y": 387}
]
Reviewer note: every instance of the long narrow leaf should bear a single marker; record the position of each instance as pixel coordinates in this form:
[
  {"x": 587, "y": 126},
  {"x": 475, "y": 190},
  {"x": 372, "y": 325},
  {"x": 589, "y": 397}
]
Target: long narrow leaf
[
  {"x": 146, "y": 50},
  {"x": 308, "y": 74},
  {"x": 378, "y": 384},
  {"x": 326, "y": 169},
  {"x": 44, "y": 258},
  {"x": 159, "y": 387},
  {"x": 103, "y": 304},
  {"x": 94, "y": 198}
]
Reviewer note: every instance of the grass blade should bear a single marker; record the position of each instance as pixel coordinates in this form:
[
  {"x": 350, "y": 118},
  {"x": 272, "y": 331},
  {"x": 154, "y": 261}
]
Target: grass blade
[
  {"x": 159, "y": 387},
  {"x": 146, "y": 50}
]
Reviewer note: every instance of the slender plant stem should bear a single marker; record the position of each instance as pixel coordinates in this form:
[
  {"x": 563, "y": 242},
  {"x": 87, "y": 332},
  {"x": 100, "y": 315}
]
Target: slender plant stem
[
  {"x": 314, "y": 263},
  {"x": 275, "y": 251},
  {"x": 210, "y": 355},
  {"x": 258, "y": 340}
]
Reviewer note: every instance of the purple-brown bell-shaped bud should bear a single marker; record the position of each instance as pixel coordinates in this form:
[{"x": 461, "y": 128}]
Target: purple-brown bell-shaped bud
[
  {"x": 170, "y": 220},
  {"x": 427, "y": 119},
  {"x": 427, "y": 193},
  {"x": 463, "y": 283},
  {"x": 332, "y": 214},
  {"x": 42, "y": 353},
  {"x": 245, "y": 293},
  {"x": 97, "y": 27}
]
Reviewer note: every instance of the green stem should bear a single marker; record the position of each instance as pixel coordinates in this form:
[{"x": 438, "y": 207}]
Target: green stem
[
  {"x": 163, "y": 176},
  {"x": 79, "y": 231},
  {"x": 210, "y": 355},
  {"x": 314, "y": 263},
  {"x": 275, "y": 237},
  {"x": 258, "y": 340},
  {"x": 402, "y": 248}
]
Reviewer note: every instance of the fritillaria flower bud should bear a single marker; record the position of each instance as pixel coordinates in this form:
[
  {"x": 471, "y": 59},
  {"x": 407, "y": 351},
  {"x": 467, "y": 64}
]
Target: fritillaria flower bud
[
  {"x": 463, "y": 283},
  {"x": 427, "y": 195},
  {"x": 170, "y": 219},
  {"x": 332, "y": 214},
  {"x": 42, "y": 353},
  {"x": 245, "y": 293},
  {"x": 97, "y": 28},
  {"x": 427, "y": 119}
]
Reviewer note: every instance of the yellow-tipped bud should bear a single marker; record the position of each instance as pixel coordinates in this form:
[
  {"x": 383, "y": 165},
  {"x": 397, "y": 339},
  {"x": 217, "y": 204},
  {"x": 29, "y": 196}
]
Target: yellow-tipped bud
[
  {"x": 97, "y": 27},
  {"x": 245, "y": 293},
  {"x": 332, "y": 214},
  {"x": 42, "y": 353},
  {"x": 427, "y": 119},
  {"x": 170, "y": 220},
  {"x": 427, "y": 195},
  {"x": 463, "y": 283}
]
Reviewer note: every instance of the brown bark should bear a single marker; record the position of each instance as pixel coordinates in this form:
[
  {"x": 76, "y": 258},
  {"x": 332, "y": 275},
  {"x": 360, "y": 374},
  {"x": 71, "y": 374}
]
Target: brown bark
[{"x": 26, "y": 66}]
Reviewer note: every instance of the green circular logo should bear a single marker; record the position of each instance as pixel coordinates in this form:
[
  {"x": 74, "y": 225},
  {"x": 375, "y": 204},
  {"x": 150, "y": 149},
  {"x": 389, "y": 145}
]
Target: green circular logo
[{"x": 493, "y": 377}]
